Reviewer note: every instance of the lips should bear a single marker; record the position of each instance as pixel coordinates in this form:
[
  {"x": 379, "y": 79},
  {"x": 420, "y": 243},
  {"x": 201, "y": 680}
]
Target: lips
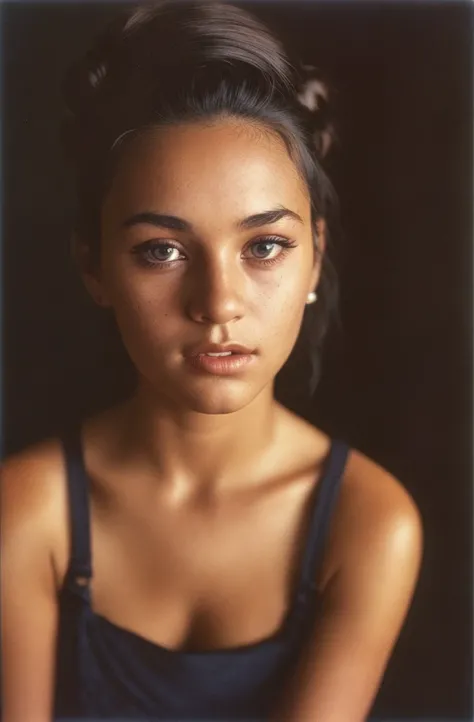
[
  {"x": 234, "y": 363},
  {"x": 213, "y": 348}
]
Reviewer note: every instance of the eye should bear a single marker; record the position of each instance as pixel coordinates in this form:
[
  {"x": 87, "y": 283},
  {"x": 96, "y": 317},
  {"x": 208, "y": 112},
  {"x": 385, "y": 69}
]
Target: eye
[
  {"x": 276, "y": 241},
  {"x": 155, "y": 254},
  {"x": 158, "y": 254}
]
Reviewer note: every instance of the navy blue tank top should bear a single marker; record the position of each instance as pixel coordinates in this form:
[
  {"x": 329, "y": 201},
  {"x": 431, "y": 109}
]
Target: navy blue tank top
[{"x": 105, "y": 671}]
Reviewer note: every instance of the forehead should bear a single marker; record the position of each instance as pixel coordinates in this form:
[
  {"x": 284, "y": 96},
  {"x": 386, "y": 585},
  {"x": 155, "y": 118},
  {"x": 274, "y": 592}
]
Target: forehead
[{"x": 226, "y": 169}]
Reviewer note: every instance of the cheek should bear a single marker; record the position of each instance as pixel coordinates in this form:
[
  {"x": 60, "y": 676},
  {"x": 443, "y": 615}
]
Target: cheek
[
  {"x": 279, "y": 320},
  {"x": 146, "y": 320},
  {"x": 149, "y": 336},
  {"x": 136, "y": 296},
  {"x": 147, "y": 315},
  {"x": 151, "y": 317}
]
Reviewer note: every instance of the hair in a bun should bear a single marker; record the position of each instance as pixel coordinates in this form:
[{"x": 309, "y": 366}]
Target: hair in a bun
[
  {"x": 151, "y": 62},
  {"x": 172, "y": 61},
  {"x": 313, "y": 94}
]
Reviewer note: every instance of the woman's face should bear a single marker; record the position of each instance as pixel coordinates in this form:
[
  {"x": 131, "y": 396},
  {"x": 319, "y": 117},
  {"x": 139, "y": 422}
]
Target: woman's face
[{"x": 207, "y": 277}]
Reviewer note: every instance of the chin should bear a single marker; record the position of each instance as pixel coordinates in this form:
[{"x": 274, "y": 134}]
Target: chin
[
  {"x": 175, "y": 387},
  {"x": 208, "y": 396},
  {"x": 227, "y": 397}
]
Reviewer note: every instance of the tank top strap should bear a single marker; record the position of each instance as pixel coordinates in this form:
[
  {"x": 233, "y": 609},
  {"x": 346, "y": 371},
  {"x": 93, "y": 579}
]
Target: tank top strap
[
  {"x": 321, "y": 514},
  {"x": 80, "y": 563}
]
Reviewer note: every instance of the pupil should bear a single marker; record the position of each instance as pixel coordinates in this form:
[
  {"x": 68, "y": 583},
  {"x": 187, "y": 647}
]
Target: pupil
[
  {"x": 267, "y": 243},
  {"x": 167, "y": 250}
]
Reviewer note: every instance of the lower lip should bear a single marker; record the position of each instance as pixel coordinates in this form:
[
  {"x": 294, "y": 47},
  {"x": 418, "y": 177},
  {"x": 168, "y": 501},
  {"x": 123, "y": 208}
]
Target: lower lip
[{"x": 221, "y": 365}]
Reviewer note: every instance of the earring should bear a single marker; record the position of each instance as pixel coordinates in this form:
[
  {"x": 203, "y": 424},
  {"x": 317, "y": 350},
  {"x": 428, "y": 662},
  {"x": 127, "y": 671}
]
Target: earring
[{"x": 312, "y": 296}]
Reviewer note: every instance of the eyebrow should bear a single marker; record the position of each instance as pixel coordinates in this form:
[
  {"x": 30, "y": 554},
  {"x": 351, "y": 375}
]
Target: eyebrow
[{"x": 174, "y": 223}]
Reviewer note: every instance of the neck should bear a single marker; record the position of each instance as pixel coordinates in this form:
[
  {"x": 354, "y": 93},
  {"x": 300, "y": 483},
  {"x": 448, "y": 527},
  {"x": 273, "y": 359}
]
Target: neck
[{"x": 189, "y": 450}]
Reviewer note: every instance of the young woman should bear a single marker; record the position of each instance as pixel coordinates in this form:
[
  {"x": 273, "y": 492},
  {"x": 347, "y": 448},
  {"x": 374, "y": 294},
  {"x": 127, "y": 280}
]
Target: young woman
[{"x": 198, "y": 551}]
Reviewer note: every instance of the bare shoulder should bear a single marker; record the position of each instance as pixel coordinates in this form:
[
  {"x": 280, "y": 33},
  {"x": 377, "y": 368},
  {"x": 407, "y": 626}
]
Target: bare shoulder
[
  {"x": 380, "y": 498},
  {"x": 375, "y": 515},
  {"x": 32, "y": 530},
  {"x": 32, "y": 477},
  {"x": 370, "y": 569},
  {"x": 33, "y": 498},
  {"x": 378, "y": 494}
]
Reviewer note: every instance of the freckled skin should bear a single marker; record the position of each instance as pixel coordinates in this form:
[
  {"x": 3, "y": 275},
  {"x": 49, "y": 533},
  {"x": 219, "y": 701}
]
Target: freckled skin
[
  {"x": 211, "y": 175},
  {"x": 190, "y": 471}
]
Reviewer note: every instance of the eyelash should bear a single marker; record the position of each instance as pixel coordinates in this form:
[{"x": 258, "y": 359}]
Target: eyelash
[{"x": 144, "y": 248}]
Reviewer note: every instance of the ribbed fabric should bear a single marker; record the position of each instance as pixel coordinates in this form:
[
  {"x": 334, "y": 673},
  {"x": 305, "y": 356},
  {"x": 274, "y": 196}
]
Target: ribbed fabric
[{"x": 105, "y": 671}]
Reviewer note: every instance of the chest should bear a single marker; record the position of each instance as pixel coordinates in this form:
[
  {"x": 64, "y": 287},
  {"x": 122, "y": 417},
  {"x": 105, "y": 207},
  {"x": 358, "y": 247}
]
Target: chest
[
  {"x": 208, "y": 575},
  {"x": 205, "y": 575}
]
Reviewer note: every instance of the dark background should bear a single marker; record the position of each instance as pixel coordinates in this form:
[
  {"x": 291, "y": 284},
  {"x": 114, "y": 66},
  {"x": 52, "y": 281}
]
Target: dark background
[{"x": 399, "y": 386}]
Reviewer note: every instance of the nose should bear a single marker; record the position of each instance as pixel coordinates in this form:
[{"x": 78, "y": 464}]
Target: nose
[{"x": 215, "y": 293}]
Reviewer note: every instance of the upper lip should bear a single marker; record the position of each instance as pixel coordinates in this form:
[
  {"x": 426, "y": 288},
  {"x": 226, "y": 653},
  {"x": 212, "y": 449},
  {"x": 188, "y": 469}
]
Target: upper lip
[{"x": 218, "y": 348}]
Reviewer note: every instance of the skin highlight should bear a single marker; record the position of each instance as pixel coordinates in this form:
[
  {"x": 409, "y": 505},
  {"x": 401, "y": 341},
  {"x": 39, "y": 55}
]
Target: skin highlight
[
  {"x": 200, "y": 486},
  {"x": 215, "y": 289}
]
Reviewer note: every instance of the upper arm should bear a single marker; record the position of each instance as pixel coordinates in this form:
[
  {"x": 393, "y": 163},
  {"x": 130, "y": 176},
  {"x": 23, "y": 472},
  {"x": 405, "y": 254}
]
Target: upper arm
[
  {"x": 364, "y": 603},
  {"x": 28, "y": 591}
]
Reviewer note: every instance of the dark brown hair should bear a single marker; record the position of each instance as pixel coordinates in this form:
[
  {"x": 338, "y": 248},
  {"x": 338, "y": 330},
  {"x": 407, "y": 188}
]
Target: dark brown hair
[{"x": 169, "y": 61}]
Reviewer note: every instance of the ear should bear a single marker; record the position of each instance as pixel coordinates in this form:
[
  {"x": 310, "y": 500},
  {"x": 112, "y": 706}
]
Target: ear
[
  {"x": 89, "y": 271},
  {"x": 318, "y": 254}
]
